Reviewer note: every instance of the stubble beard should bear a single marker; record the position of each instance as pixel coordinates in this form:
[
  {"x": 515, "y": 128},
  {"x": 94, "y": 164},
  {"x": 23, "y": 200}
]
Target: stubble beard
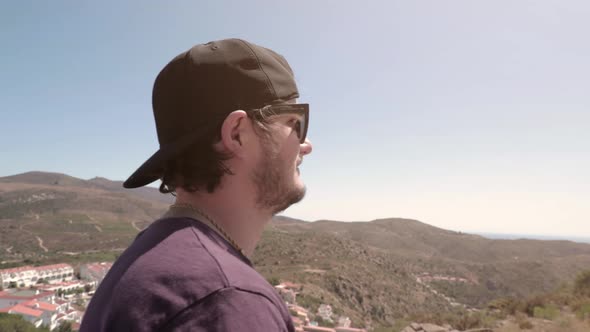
[{"x": 275, "y": 189}]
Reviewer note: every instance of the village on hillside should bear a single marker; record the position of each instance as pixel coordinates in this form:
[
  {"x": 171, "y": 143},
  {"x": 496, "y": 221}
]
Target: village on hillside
[{"x": 51, "y": 295}]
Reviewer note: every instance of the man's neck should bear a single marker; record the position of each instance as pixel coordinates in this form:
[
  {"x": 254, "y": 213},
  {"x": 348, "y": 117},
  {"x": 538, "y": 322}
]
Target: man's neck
[{"x": 236, "y": 215}]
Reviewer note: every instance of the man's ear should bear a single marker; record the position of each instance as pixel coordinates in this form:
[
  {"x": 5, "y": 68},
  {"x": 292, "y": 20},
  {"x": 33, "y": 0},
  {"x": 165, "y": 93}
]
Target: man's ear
[{"x": 234, "y": 132}]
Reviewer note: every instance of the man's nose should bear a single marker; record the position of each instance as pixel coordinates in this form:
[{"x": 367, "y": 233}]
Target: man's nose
[{"x": 306, "y": 147}]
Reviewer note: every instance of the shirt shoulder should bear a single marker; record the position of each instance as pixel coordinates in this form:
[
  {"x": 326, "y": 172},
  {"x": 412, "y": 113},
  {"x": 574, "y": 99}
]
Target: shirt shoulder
[
  {"x": 231, "y": 309},
  {"x": 171, "y": 266}
]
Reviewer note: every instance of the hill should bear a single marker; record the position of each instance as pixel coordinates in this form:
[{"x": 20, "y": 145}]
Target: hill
[
  {"x": 47, "y": 214},
  {"x": 374, "y": 272},
  {"x": 390, "y": 268}
]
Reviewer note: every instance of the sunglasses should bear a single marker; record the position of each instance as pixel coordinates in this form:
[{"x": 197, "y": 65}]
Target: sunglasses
[{"x": 299, "y": 109}]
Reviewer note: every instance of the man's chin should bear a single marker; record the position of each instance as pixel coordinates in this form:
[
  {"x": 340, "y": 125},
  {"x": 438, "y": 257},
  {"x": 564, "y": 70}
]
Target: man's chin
[{"x": 293, "y": 197}]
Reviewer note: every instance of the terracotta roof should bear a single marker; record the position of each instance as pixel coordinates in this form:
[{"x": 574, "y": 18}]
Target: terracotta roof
[
  {"x": 99, "y": 267},
  {"x": 61, "y": 284},
  {"x": 52, "y": 267},
  {"x": 40, "y": 305},
  {"x": 289, "y": 284},
  {"x": 10, "y": 296},
  {"x": 17, "y": 269},
  {"x": 36, "y": 268},
  {"x": 19, "y": 309}
]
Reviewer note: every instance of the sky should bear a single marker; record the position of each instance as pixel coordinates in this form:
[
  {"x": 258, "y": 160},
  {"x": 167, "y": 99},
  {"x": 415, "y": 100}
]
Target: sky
[{"x": 472, "y": 116}]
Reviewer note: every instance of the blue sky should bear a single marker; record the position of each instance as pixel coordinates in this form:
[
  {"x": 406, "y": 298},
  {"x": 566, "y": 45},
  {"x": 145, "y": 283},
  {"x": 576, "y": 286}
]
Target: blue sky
[{"x": 467, "y": 115}]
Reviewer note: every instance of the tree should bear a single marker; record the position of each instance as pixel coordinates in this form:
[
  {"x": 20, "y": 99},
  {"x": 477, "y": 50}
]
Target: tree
[
  {"x": 273, "y": 281},
  {"x": 582, "y": 284},
  {"x": 12, "y": 323},
  {"x": 64, "y": 327}
]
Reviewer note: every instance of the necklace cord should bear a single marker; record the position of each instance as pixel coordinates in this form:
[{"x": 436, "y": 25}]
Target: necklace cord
[{"x": 212, "y": 222}]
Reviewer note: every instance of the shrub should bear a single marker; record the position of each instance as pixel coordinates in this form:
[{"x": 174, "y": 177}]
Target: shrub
[
  {"x": 583, "y": 311},
  {"x": 507, "y": 306},
  {"x": 582, "y": 284},
  {"x": 525, "y": 325},
  {"x": 528, "y": 306},
  {"x": 273, "y": 280},
  {"x": 549, "y": 312},
  {"x": 473, "y": 320},
  {"x": 459, "y": 319},
  {"x": 565, "y": 323}
]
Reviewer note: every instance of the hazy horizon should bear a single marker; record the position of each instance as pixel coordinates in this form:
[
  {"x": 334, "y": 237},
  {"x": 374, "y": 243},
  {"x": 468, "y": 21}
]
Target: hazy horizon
[{"x": 491, "y": 235}]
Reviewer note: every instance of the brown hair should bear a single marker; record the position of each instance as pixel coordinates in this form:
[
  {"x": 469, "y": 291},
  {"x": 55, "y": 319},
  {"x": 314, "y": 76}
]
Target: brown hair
[{"x": 202, "y": 166}]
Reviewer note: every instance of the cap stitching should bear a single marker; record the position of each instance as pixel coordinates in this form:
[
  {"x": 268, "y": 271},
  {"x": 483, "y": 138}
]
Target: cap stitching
[{"x": 268, "y": 81}]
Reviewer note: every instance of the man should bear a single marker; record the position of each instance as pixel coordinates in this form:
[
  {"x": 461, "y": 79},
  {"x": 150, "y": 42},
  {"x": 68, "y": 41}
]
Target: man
[{"x": 231, "y": 140}]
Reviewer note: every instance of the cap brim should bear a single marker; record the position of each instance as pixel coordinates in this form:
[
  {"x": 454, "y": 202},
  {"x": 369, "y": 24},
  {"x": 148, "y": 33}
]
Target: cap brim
[{"x": 153, "y": 168}]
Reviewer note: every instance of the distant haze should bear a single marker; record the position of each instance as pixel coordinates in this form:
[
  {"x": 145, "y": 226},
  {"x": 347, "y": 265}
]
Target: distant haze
[{"x": 534, "y": 237}]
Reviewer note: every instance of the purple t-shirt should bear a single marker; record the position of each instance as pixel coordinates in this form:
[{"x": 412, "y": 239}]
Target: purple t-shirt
[{"x": 180, "y": 275}]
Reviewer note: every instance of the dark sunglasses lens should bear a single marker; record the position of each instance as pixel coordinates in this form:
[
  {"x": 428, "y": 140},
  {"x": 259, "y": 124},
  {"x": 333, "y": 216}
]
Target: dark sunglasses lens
[
  {"x": 299, "y": 129},
  {"x": 303, "y": 127}
]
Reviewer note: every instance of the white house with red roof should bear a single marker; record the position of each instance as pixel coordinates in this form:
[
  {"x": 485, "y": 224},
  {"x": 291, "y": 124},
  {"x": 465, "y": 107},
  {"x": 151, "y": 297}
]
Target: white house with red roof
[
  {"x": 95, "y": 271},
  {"x": 39, "y": 308},
  {"x": 55, "y": 273},
  {"x": 26, "y": 276},
  {"x": 66, "y": 313},
  {"x": 33, "y": 316},
  {"x": 36, "y": 312},
  {"x": 66, "y": 286},
  {"x": 13, "y": 297}
]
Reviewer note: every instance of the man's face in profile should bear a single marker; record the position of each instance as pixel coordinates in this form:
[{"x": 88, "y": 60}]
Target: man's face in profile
[{"x": 276, "y": 174}]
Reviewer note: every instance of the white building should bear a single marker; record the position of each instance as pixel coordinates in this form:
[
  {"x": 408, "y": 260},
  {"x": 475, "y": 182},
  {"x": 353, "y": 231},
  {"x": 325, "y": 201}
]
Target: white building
[
  {"x": 28, "y": 275},
  {"x": 95, "y": 271},
  {"x": 66, "y": 286},
  {"x": 18, "y": 276},
  {"x": 36, "y": 312},
  {"x": 13, "y": 297},
  {"x": 344, "y": 322},
  {"x": 55, "y": 273},
  {"x": 30, "y": 315},
  {"x": 38, "y": 307},
  {"x": 325, "y": 311}
]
